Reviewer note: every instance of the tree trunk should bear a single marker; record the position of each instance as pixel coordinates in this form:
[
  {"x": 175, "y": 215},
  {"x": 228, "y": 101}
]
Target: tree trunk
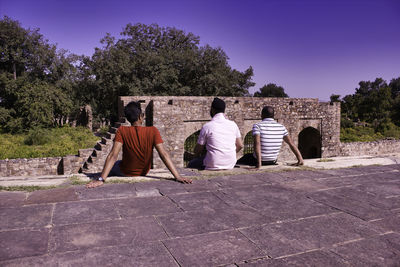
[{"x": 15, "y": 71}]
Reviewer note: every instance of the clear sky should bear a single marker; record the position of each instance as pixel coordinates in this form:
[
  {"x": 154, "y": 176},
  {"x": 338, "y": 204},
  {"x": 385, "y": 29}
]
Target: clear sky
[{"x": 313, "y": 48}]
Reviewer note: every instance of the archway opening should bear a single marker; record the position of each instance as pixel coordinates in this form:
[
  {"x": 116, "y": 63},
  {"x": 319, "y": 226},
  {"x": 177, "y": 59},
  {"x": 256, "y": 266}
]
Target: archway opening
[
  {"x": 248, "y": 143},
  {"x": 310, "y": 143},
  {"x": 189, "y": 145}
]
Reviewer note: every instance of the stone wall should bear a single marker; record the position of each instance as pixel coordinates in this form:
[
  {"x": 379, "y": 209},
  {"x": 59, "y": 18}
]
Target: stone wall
[
  {"x": 370, "y": 148},
  {"x": 179, "y": 117},
  {"x": 31, "y": 167}
]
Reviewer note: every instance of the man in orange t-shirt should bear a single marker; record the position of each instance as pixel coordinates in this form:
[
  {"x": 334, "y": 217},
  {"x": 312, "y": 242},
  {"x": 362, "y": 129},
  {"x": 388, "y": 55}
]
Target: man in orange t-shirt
[{"x": 137, "y": 144}]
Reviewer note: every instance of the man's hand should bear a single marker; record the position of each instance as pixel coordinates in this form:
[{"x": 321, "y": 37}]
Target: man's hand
[
  {"x": 299, "y": 163},
  {"x": 184, "y": 180},
  {"x": 94, "y": 183}
]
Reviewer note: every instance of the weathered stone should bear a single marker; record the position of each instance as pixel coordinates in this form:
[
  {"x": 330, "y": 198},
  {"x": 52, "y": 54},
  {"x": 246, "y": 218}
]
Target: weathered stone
[
  {"x": 52, "y": 196},
  {"x": 84, "y": 211},
  {"x": 109, "y": 191},
  {"x": 36, "y": 216},
  {"x": 22, "y": 243},
  {"x": 212, "y": 249},
  {"x": 150, "y": 254},
  {"x": 12, "y": 199},
  {"x": 145, "y": 206},
  {"x": 119, "y": 232},
  {"x": 382, "y": 250}
]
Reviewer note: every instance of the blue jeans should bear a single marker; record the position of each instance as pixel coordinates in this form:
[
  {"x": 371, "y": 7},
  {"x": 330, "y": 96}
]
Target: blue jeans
[
  {"x": 197, "y": 163},
  {"x": 116, "y": 170}
]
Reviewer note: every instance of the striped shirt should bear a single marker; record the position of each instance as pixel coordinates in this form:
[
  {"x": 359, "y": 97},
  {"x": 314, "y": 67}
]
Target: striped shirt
[{"x": 271, "y": 136}]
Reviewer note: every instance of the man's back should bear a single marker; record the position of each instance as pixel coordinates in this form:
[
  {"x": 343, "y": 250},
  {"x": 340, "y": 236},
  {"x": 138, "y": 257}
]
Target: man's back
[
  {"x": 271, "y": 136},
  {"x": 138, "y": 143},
  {"x": 219, "y": 135}
]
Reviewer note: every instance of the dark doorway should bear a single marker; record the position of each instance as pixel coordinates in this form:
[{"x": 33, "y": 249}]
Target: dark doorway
[
  {"x": 190, "y": 143},
  {"x": 310, "y": 143},
  {"x": 248, "y": 143}
]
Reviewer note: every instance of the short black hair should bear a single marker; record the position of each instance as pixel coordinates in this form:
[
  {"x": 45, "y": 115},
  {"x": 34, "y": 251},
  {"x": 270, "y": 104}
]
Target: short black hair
[
  {"x": 132, "y": 111},
  {"x": 218, "y": 105},
  {"x": 267, "y": 112}
]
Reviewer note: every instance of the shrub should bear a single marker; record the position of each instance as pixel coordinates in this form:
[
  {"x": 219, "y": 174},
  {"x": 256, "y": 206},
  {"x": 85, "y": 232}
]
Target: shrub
[{"x": 57, "y": 142}]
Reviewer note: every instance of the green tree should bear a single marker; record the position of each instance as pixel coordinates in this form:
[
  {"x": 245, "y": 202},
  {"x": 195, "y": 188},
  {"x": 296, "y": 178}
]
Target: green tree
[
  {"x": 271, "y": 90},
  {"x": 153, "y": 60},
  {"x": 37, "y": 82},
  {"x": 335, "y": 98}
]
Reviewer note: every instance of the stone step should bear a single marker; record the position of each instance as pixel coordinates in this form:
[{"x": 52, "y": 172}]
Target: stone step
[
  {"x": 110, "y": 136},
  {"x": 105, "y": 140},
  {"x": 113, "y": 130}
]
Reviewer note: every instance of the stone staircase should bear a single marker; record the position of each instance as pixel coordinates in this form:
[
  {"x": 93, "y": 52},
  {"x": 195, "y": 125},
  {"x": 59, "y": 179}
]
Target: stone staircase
[{"x": 95, "y": 161}]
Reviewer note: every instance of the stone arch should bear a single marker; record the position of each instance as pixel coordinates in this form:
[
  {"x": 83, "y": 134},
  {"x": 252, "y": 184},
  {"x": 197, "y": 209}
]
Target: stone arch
[
  {"x": 310, "y": 143},
  {"x": 190, "y": 143},
  {"x": 248, "y": 143}
]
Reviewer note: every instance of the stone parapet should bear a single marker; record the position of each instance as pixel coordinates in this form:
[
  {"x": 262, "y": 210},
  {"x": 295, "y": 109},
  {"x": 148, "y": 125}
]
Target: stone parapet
[
  {"x": 370, "y": 148},
  {"x": 31, "y": 167}
]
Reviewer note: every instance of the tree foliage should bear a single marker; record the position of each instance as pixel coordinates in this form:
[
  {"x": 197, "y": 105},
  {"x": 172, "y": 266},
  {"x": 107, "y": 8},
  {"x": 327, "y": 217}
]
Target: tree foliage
[
  {"x": 271, "y": 90},
  {"x": 37, "y": 82},
  {"x": 153, "y": 60},
  {"x": 375, "y": 103}
]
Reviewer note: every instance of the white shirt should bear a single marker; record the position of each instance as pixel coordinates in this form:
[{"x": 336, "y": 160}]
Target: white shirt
[
  {"x": 271, "y": 136},
  {"x": 219, "y": 135}
]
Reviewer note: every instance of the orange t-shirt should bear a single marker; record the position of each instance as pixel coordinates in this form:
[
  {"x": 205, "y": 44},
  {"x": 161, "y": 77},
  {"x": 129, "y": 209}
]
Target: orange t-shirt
[{"x": 138, "y": 143}]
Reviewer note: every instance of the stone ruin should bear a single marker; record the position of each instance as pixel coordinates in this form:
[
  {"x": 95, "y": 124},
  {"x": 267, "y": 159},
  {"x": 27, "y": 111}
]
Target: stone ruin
[{"x": 313, "y": 126}]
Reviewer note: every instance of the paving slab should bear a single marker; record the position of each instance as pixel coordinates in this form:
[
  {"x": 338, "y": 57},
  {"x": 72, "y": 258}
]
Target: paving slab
[
  {"x": 119, "y": 232},
  {"x": 23, "y": 243},
  {"x": 52, "y": 196},
  {"x": 198, "y": 200},
  {"x": 166, "y": 187},
  {"x": 37, "y": 216},
  {"x": 84, "y": 211},
  {"x": 357, "y": 207},
  {"x": 275, "y": 202},
  {"x": 201, "y": 186},
  {"x": 391, "y": 223},
  {"x": 270, "y": 177},
  {"x": 12, "y": 199},
  {"x": 150, "y": 254},
  {"x": 281, "y": 239},
  {"x": 212, "y": 249},
  {"x": 253, "y": 218},
  {"x": 312, "y": 258},
  {"x": 145, "y": 206},
  {"x": 378, "y": 251},
  {"x": 237, "y": 181},
  {"x": 109, "y": 191}
]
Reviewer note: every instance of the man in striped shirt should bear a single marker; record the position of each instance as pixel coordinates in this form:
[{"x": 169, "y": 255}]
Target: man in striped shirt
[{"x": 268, "y": 135}]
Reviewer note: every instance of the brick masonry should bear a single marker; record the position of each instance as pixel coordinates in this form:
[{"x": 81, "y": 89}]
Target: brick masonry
[{"x": 179, "y": 117}]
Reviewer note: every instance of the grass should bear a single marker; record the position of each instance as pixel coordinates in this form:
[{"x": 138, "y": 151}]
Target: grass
[
  {"x": 39, "y": 143},
  {"x": 27, "y": 188},
  {"x": 325, "y": 160}
]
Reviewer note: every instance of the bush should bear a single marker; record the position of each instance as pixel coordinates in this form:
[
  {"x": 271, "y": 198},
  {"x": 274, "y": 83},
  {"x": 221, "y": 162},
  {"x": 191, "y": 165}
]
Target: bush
[
  {"x": 359, "y": 134},
  {"x": 57, "y": 142},
  {"x": 37, "y": 137}
]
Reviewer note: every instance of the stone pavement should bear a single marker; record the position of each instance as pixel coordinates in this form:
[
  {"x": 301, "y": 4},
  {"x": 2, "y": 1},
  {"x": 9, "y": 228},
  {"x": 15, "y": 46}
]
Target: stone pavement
[{"x": 333, "y": 217}]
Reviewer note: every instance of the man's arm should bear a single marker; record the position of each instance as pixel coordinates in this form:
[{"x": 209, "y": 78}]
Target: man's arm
[
  {"x": 257, "y": 149},
  {"x": 168, "y": 162},
  {"x": 239, "y": 144},
  {"x": 110, "y": 160},
  {"x": 294, "y": 149}
]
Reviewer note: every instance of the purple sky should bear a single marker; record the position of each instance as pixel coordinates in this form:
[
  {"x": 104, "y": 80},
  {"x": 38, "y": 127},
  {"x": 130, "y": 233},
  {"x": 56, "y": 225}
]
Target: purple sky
[{"x": 313, "y": 48}]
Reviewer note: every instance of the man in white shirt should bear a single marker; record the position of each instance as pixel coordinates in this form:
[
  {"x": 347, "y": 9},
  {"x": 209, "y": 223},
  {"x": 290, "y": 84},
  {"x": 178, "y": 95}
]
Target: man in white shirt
[
  {"x": 221, "y": 138},
  {"x": 268, "y": 136}
]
